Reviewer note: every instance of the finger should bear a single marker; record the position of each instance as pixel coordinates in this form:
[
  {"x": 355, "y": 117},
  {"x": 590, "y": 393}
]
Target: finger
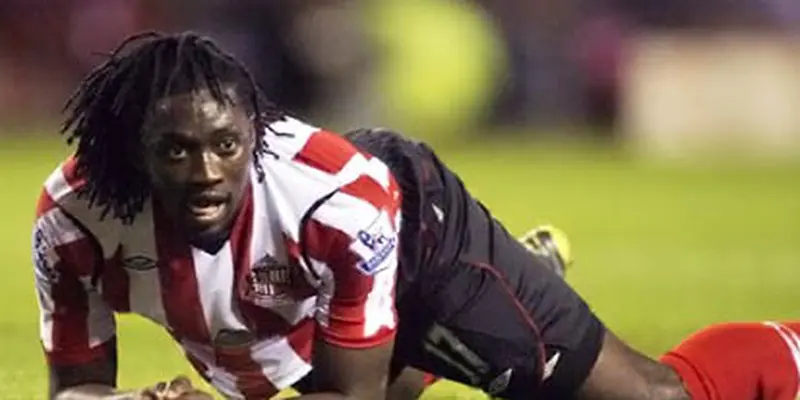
[
  {"x": 178, "y": 386},
  {"x": 183, "y": 379},
  {"x": 155, "y": 392},
  {"x": 147, "y": 394},
  {"x": 160, "y": 388},
  {"x": 196, "y": 395}
]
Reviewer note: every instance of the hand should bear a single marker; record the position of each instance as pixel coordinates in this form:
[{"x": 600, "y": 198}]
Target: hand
[{"x": 179, "y": 388}]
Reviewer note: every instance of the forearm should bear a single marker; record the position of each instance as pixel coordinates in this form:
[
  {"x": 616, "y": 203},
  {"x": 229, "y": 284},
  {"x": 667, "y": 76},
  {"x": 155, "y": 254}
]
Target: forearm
[{"x": 93, "y": 392}]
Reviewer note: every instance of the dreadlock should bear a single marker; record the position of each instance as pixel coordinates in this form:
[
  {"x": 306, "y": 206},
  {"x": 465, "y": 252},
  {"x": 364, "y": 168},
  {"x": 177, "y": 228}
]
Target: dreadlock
[{"x": 106, "y": 113}]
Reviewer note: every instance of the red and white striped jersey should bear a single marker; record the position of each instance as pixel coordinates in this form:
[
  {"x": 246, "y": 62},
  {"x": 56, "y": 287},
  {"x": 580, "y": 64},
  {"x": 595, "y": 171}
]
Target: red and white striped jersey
[{"x": 314, "y": 248}]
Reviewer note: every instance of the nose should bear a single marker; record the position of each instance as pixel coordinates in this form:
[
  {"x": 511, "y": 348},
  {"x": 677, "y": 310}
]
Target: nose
[{"x": 206, "y": 170}]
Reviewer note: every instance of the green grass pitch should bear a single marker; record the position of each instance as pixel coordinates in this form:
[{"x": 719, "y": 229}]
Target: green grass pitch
[{"x": 660, "y": 251}]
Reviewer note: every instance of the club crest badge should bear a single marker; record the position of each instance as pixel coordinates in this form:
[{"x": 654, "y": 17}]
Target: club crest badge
[{"x": 271, "y": 283}]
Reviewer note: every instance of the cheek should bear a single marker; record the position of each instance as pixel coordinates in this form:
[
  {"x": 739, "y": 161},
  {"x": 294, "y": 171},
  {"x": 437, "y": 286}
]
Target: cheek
[
  {"x": 240, "y": 169},
  {"x": 237, "y": 169},
  {"x": 163, "y": 178}
]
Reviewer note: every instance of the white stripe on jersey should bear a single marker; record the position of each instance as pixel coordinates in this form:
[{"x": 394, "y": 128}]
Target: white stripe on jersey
[
  {"x": 304, "y": 190},
  {"x": 327, "y": 285},
  {"x": 65, "y": 231},
  {"x": 215, "y": 287},
  {"x": 265, "y": 234},
  {"x": 357, "y": 166},
  {"x": 100, "y": 320},
  {"x": 280, "y": 363},
  {"x": 144, "y": 294},
  {"x": 379, "y": 300},
  {"x": 378, "y": 171},
  {"x": 793, "y": 342},
  {"x": 295, "y": 312}
]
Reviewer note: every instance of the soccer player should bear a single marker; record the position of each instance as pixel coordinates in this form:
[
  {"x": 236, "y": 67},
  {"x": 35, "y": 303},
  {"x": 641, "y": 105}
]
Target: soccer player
[{"x": 266, "y": 246}]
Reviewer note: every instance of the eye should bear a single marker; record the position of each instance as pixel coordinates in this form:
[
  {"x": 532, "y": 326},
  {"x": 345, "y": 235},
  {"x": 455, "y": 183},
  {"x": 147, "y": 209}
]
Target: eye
[
  {"x": 176, "y": 152},
  {"x": 228, "y": 144}
]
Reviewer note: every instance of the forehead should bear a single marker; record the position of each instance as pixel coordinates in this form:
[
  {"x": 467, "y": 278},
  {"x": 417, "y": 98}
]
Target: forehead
[{"x": 196, "y": 109}]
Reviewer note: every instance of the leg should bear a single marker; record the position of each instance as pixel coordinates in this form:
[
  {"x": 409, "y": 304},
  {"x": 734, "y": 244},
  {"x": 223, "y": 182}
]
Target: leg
[{"x": 507, "y": 323}]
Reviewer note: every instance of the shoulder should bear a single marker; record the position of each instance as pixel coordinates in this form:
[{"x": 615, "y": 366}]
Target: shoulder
[
  {"x": 309, "y": 164},
  {"x": 62, "y": 214},
  {"x": 318, "y": 149}
]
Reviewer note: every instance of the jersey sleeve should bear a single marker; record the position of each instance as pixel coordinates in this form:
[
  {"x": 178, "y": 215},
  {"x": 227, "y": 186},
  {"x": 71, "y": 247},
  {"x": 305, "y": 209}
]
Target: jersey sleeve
[
  {"x": 352, "y": 241},
  {"x": 75, "y": 323}
]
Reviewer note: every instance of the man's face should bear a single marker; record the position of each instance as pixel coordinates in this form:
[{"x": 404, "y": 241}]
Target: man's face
[{"x": 198, "y": 153}]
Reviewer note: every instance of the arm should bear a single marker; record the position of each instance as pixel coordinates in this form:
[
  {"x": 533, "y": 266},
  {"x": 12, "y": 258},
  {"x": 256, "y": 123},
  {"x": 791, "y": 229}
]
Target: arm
[
  {"x": 93, "y": 380},
  {"x": 350, "y": 374},
  {"x": 357, "y": 258},
  {"x": 77, "y": 329}
]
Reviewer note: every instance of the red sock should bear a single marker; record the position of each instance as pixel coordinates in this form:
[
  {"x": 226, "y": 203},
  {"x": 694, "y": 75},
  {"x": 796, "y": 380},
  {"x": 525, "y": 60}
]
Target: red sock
[{"x": 740, "y": 361}]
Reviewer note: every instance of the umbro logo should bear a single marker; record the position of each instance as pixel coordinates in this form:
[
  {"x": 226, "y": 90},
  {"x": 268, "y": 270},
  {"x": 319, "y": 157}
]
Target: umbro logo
[{"x": 139, "y": 263}]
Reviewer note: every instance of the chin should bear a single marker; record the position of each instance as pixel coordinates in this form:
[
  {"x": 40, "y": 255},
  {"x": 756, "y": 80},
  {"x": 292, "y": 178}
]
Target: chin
[{"x": 205, "y": 232}]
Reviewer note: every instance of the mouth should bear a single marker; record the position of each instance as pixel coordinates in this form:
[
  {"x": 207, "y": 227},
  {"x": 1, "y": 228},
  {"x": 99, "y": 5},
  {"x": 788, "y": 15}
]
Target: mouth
[{"x": 207, "y": 208}]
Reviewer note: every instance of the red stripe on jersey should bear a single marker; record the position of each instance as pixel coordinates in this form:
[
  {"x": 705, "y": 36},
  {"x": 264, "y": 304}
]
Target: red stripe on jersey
[
  {"x": 326, "y": 151},
  {"x": 301, "y": 287},
  {"x": 116, "y": 284},
  {"x": 70, "y": 171},
  {"x": 302, "y": 338},
  {"x": 44, "y": 204},
  {"x": 351, "y": 287},
  {"x": 79, "y": 256},
  {"x": 292, "y": 249},
  {"x": 368, "y": 189},
  {"x": 250, "y": 378},
  {"x": 70, "y": 334},
  {"x": 179, "y": 288}
]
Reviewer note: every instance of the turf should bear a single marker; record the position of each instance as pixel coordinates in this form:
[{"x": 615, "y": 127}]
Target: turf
[{"x": 661, "y": 250}]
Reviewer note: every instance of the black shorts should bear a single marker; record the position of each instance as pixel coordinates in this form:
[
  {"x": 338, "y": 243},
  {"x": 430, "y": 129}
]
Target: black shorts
[{"x": 474, "y": 305}]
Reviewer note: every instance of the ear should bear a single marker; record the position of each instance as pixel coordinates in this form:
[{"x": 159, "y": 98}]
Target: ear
[{"x": 254, "y": 134}]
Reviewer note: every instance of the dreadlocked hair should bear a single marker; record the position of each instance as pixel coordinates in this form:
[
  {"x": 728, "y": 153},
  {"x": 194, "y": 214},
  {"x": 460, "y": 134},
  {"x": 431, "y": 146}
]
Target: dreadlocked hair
[{"x": 106, "y": 113}]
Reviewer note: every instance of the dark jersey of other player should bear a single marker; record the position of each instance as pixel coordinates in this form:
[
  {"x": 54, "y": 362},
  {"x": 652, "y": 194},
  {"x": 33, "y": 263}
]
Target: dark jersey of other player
[{"x": 474, "y": 305}]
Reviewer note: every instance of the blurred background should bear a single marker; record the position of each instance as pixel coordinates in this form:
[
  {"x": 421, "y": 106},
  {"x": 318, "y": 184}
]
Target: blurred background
[
  {"x": 663, "y": 136},
  {"x": 608, "y": 68}
]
